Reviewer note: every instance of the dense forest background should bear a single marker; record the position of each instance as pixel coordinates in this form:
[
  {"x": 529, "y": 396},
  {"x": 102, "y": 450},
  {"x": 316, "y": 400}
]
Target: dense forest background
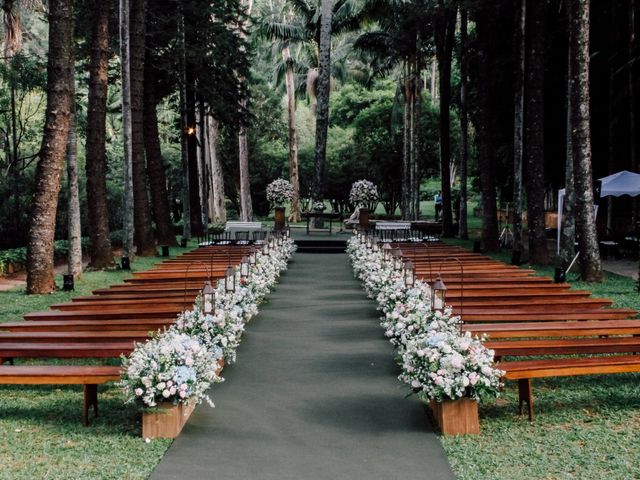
[{"x": 419, "y": 90}]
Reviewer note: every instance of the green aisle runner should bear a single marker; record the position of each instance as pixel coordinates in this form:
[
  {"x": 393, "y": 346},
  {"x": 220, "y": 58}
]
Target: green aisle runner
[{"x": 314, "y": 394}]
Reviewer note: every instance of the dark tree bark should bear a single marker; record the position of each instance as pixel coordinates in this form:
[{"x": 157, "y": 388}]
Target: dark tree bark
[
  {"x": 534, "y": 132},
  {"x": 74, "y": 227},
  {"x": 143, "y": 233},
  {"x": 184, "y": 144},
  {"x": 54, "y": 143},
  {"x": 96, "y": 160},
  {"x": 192, "y": 151},
  {"x": 464, "y": 123},
  {"x": 518, "y": 125},
  {"x": 590, "y": 265},
  {"x": 568, "y": 236},
  {"x": 322, "y": 117},
  {"x": 445, "y": 36},
  {"x": 155, "y": 165}
]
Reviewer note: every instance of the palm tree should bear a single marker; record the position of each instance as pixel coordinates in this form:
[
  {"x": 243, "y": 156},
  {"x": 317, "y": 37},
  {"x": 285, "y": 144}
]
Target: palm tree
[
  {"x": 297, "y": 31},
  {"x": 401, "y": 45},
  {"x": 54, "y": 142}
]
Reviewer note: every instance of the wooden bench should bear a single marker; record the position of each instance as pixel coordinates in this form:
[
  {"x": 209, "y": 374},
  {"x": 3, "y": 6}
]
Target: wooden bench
[
  {"x": 87, "y": 376},
  {"x": 524, "y": 371}
]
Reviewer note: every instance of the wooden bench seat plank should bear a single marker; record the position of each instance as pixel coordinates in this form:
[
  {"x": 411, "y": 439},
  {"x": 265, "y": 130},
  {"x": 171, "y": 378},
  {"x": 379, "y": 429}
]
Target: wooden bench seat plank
[
  {"x": 564, "y": 346},
  {"x": 76, "y": 336},
  {"x": 554, "y": 329},
  {"x": 145, "y": 325}
]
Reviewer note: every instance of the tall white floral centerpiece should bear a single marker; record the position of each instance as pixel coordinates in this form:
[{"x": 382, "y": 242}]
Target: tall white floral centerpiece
[
  {"x": 279, "y": 192},
  {"x": 364, "y": 195}
]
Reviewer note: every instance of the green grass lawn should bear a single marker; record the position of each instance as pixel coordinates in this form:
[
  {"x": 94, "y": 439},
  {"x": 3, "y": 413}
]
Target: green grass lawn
[
  {"x": 41, "y": 432},
  {"x": 585, "y": 427}
]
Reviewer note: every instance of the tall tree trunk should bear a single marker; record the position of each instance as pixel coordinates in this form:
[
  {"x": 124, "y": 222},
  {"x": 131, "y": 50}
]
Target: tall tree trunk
[
  {"x": 405, "y": 206},
  {"x": 155, "y": 165},
  {"x": 464, "y": 123},
  {"x": 96, "y": 159},
  {"x": 587, "y": 236},
  {"x": 412, "y": 144},
  {"x": 322, "y": 117},
  {"x": 445, "y": 36},
  {"x": 74, "y": 257},
  {"x": 145, "y": 243},
  {"x": 518, "y": 127},
  {"x": 568, "y": 236},
  {"x": 534, "y": 133},
  {"x": 294, "y": 178},
  {"x": 613, "y": 104},
  {"x": 192, "y": 138},
  {"x": 202, "y": 166},
  {"x": 633, "y": 133},
  {"x": 219, "y": 211},
  {"x": 246, "y": 206},
  {"x": 184, "y": 126},
  {"x": 54, "y": 142},
  {"x": 125, "y": 66}
]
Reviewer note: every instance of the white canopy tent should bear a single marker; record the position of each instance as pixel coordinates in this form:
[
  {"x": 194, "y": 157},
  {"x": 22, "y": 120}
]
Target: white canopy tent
[{"x": 616, "y": 185}]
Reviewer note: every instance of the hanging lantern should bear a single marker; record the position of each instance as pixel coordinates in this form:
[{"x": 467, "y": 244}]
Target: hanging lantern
[
  {"x": 369, "y": 242},
  {"x": 230, "y": 280},
  {"x": 252, "y": 258},
  {"x": 265, "y": 248},
  {"x": 363, "y": 239},
  {"x": 409, "y": 274},
  {"x": 209, "y": 299},
  {"x": 439, "y": 290},
  {"x": 375, "y": 247},
  {"x": 386, "y": 252},
  {"x": 244, "y": 267},
  {"x": 397, "y": 259}
]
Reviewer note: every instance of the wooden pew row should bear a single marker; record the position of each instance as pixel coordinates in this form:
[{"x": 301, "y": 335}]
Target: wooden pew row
[{"x": 87, "y": 376}]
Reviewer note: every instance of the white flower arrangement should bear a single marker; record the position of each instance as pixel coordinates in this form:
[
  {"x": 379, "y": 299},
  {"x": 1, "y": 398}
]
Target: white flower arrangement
[
  {"x": 319, "y": 207},
  {"x": 437, "y": 360},
  {"x": 280, "y": 191},
  {"x": 444, "y": 365},
  {"x": 364, "y": 194},
  {"x": 172, "y": 367},
  {"x": 179, "y": 364}
]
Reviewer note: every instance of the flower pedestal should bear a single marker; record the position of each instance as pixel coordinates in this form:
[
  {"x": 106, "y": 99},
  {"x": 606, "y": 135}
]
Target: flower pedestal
[
  {"x": 279, "y": 218},
  {"x": 456, "y": 417},
  {"x": 166, "y": 420},
  {"x": 364, "y": 218}
]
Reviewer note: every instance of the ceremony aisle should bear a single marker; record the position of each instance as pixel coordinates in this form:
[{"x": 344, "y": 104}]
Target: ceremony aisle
[{"x": 313, "y": 394}]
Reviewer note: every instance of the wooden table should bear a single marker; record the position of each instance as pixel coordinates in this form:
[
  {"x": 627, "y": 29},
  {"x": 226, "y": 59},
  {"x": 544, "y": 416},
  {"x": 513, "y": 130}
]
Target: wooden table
[{"x": 325, "y": 216}]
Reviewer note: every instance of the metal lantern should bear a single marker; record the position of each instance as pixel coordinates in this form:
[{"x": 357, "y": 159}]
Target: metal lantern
[
  {"x": 397, "y": 259},
  {"x": 369, "y": 242},
  {"x": 409, "y": 274},
  {"x": 252, "y": 258},
  {"x": 438, "y": 292},
  {"x": 386, "y": 251},
  {"x": 363, "y": 239},
  {"x": 230, "y": 280},
  {"x": 244, "y": 267},
  {"x": 209, "y": 298},
  {"x": 376, "y": 247},
  {"x": 265, "y": 248}
]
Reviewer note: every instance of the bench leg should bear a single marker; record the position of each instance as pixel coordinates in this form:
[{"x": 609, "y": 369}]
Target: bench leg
[
  {"x": 90, "y": 394},
  {"x": 524, "y": 396}
]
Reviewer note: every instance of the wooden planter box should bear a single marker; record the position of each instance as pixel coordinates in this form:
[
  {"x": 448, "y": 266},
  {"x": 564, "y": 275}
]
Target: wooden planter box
[
  {"x": 279, "y": 218},
  {"x": 166, "y": 421},
  {"x": 456, "y": 417}
]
